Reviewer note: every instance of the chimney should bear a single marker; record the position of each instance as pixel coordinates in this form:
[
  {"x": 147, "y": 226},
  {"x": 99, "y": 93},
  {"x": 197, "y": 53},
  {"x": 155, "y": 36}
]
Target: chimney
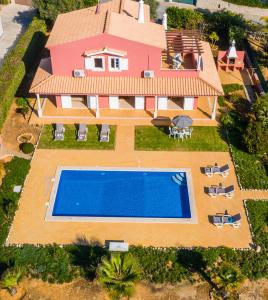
[
  {"x": 232, "y": 51},
  {"x": 141, "y": 12},
  {"x": 164, "y": 21}
]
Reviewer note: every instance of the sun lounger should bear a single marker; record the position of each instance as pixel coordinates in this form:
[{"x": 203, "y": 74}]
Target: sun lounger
[
  {"x": 105, "y": 133},
  {"x": 214, "y": 191},
  {"x": 59, "y": 132},
  {"x": 82, "y": 132},
  {"x": 221, "y": 220},
  {"x": 223, "y": 171}
]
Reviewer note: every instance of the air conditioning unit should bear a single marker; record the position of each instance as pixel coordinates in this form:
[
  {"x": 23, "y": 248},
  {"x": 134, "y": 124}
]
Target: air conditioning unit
[
  {"x": 79, "y": 73},
  {"x": 148, "y": 74}
]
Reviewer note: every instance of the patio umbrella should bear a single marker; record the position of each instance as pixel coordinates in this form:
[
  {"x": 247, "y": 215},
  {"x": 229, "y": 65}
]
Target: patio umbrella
[{"x": 182, "y": 121}]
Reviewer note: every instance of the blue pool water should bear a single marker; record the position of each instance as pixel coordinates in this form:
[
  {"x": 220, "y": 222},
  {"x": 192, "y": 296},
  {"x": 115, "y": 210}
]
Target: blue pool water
[{"x": 90, "y": 193}]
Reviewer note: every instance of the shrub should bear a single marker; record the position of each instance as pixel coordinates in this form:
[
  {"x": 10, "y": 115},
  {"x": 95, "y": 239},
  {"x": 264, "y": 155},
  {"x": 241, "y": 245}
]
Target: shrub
[
  {"x": 160, "y": 266},
  {"x": 16, "y": 171},
  {"x": 50, "y": 9},
  {"x": 10, "y": 279},
  {"x": 183, "y": 18},
  {"x": 27, "y": 148},
  {"x": 232, "y": 87},
  {"x": 50, "y": 263},
  {"x": 17, "y": 62}
]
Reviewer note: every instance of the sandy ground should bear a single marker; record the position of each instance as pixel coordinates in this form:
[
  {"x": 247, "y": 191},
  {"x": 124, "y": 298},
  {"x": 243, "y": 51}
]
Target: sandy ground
[
  {"x": 14, "y": 126},
  {"x": 83, "y": 290}
]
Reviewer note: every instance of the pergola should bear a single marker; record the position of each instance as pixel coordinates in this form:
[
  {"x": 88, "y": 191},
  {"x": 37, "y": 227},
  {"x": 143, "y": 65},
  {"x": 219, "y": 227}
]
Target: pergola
[{"x": 184, "y": 41}]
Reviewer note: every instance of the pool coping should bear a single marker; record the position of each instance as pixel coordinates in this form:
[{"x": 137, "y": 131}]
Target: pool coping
[{"x": 50, "y": 205}]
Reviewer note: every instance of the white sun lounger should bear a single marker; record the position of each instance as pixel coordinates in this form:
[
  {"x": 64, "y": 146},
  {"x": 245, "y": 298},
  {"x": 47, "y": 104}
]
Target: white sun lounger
[
  {"x": 105, "y": 133},
  {"x": 59, "y": 132},
  {"x": 223, "y": 171},
  {"x": 221, "y": 220},
  {"x": 214, "y": 191},
  {"x": 82, "y": 132}
]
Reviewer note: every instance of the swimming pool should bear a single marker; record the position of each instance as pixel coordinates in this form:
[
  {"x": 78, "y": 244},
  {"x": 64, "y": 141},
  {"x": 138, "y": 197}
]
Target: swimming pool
[{"x": 121, "y": 195}]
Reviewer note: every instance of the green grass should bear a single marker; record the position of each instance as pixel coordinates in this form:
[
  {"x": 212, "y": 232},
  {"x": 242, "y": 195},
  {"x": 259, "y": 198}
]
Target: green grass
[
  {"x": 156, "y": 138},
  {"x": 250, "y": 169},
  {"x": 70, "y": 142},
  {"x": 258, "y": 212}
]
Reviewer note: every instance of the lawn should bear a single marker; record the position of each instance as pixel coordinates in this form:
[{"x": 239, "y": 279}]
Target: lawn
[
  {"x": 258, "y": 212},
  {"x": 92, "y": 143},
  {"x": 250, "y": 169},
  {"x": 156, "y": 138}
]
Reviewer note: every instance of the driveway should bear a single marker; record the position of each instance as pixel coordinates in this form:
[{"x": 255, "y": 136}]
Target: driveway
[{"x": 15, "y": 19}]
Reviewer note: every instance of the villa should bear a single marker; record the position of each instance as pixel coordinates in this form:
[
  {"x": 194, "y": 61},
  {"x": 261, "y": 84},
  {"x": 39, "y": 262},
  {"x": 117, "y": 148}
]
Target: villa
[
  {"x": 111, "y": 61},
  {"x": 111, "y": 65}
]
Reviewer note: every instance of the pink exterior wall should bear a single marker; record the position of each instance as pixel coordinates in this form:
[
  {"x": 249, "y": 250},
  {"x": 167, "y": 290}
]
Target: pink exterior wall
[
  {"x": 67, "y": 57},
  {"x": 195, "y": 102},
  {"x": 103, "y": 101},
  {"x": 58, "y": 101},
  {"x": 149, "y": 102}
]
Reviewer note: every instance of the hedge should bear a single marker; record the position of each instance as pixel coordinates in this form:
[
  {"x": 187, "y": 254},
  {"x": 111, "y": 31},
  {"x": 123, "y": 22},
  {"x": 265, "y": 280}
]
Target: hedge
[
  {"x": 18, "y": 62},
  {"x": 16, "y": 171},
  {"x": 251, "y": 3}
]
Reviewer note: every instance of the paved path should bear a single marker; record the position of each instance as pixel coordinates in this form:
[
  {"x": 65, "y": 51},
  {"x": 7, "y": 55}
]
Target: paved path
[
  {"x": 125, "y": 138},
  {"x": 15, "y": 19},
  {"x": 4, "y": 152}
]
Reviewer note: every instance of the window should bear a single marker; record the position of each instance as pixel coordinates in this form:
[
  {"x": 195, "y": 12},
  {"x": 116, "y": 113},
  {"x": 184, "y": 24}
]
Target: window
[
  {"x": 98, "y": 63},
  {"x": 95, "y": 63},
  {"x": 114, "y": 63}
]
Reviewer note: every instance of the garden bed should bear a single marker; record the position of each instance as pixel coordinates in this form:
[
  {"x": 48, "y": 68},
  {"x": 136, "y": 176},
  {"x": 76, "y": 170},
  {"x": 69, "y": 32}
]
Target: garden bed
[
  {"x": 70, "y": 142},
  {"x": 204, "y": 138}
]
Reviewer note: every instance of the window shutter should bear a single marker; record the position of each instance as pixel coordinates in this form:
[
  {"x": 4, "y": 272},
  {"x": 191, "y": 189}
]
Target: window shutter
[
  {"x": 89, "y": 63},
  {"x": 124, "y": 64}
]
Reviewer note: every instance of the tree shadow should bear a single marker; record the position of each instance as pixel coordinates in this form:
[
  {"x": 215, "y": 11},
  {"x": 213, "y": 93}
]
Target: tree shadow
[
  {"x": 193, "y": 261},
  {"x": 87, "y": 254}
]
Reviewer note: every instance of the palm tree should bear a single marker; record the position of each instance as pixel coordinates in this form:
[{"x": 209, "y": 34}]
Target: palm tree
[
  {"x": 265, "y": 30},
  {"x": 118, "y": 274},
  {"x": 228, "y": 277}
]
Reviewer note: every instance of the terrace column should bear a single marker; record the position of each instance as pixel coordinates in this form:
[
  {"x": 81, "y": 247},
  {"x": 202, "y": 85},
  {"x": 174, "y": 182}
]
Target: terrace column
[
  {"x": 155, "y": 106},
  {"x": 97, "y": 107},
  {"x": 199, "y": 60},
  {"x": 213, "y": 114},
  {"x": 39, "y": 107}
]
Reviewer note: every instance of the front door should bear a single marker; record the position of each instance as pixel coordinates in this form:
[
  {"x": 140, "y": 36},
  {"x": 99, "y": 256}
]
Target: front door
[
  {"x": 114, "y": 102},
  {"x": 92, "y": 102},
  {"x": 139, "y": 102},
  {"x": 162, "y": 103},
  {"x": 66, "y": 101},
  {"x": 188, "y": 103}
]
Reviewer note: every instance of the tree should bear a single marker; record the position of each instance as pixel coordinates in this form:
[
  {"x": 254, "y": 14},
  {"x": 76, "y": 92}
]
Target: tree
[
  {"x": 214, "y": 38},
  {"x": 153, "y": 7},
  {"x": 117, "y": 274},
  {"x": 222, "y": 21},
  {"x": 183, "y": 18},
  {"x": 49, "y": 9},
  {"x": 238, "y": 34},
  {"x": 256, "y": 134},
  {"x": 265, "y": 30},
  {"x": 23, "y": 106},
  {"x": 10, "y": 279}
]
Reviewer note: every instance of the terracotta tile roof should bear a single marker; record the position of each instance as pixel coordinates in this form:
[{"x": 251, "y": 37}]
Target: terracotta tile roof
[
  {"x": 86, "y": 22},
  {"x": 191, "y": 86},
  {"x": 44, "y": 71},
  {"x": 209, "y": 72},
  {"x": 128, "y": 28}
]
